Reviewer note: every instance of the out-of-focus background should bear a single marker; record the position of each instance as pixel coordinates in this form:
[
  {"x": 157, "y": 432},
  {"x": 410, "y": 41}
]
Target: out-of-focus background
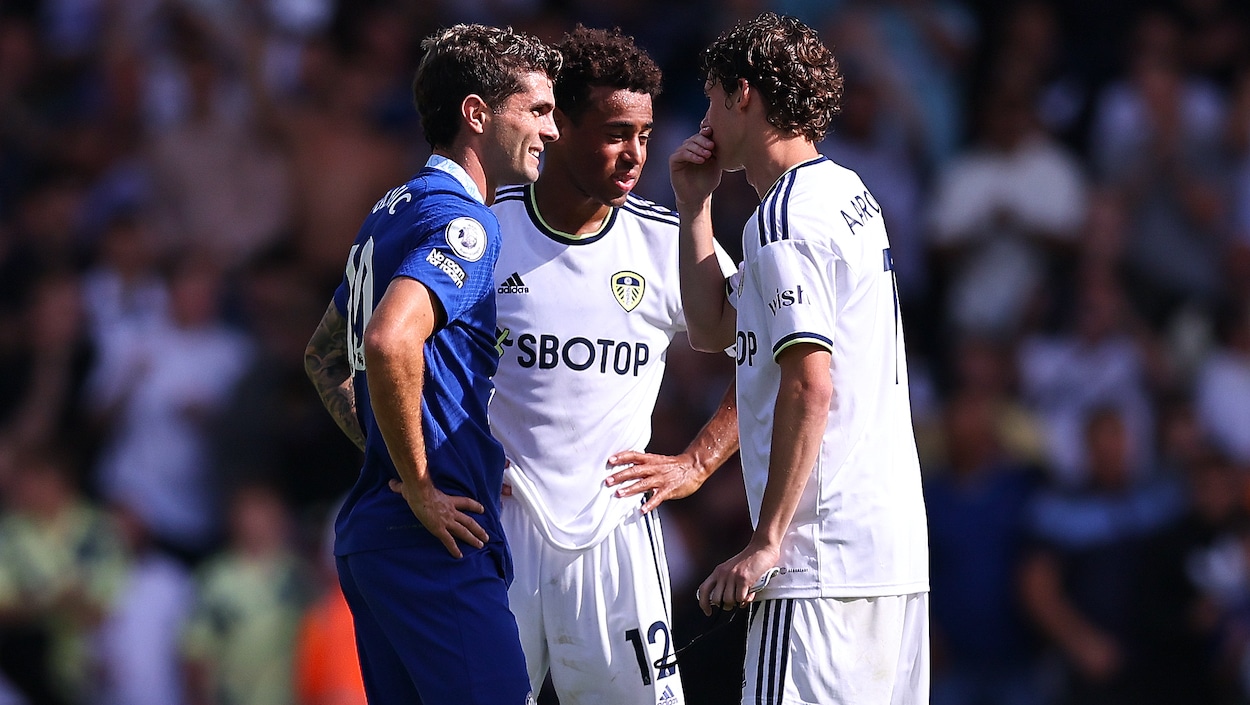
[{"x": 1066, "y": 185}]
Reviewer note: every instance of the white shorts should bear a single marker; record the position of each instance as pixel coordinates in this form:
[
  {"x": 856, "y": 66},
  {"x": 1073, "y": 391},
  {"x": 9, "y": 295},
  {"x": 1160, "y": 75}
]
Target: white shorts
[
  {"x": 832, "y": 651},
  {"x": 598, "y": 619}
]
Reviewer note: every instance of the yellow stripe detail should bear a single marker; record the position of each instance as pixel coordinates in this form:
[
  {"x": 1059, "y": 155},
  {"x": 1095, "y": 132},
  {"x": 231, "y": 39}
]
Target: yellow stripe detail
[
  {"x": 814, "y": 341},
  {"x": 568, "y": 236}
]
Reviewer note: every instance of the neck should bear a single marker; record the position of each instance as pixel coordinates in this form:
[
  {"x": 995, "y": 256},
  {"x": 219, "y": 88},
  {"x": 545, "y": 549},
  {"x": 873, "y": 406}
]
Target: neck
[
  {"x": 565, "y": 208},
  {"x": 468, "y": 159},
  {"x": 778, "y": 155}
]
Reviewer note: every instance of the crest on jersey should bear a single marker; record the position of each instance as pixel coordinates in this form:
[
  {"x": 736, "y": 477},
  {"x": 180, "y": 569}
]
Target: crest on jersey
[
  {"x": 467, "y": 238},
  {"x": 628, "y": 288}
]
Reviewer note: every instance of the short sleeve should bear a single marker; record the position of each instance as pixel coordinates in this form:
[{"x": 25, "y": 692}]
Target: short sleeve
[
  {"x": 796, "y": 282},
  {"x": 455, "y": 260}
]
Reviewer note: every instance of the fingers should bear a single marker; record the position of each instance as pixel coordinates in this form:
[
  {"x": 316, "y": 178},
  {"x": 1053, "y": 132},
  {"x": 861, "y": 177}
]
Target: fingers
[
  {"x": 397, "y": 487},
  {"x": 466, "y": 504},
  {"x": 449, "y": 542},
  {"x": 470, "y": 531}
]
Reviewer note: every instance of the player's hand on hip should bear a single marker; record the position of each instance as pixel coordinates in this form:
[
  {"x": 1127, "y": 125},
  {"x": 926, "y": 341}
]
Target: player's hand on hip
[
  {"x": 693, "y": 169},
  {"x": 665, "y": 476},
  {"x": 444, "y": 515},
  {"x": 729, "y": 586}
]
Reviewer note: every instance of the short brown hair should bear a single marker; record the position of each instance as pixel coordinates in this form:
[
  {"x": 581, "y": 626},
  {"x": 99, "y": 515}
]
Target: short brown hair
[
  {"x": 784, "y": 60},
  {"x": 473, "y": 59},
  {"x": 600, "y": 57}
]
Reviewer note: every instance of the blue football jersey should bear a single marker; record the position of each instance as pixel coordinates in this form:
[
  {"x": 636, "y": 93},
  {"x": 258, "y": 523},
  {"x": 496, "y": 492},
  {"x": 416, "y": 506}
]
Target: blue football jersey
[{"x": 432, "y": 230}]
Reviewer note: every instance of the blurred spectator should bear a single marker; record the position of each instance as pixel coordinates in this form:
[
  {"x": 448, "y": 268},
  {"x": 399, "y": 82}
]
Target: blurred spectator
[
  {"x": 1100, "y": 362},
  {"x": 1157, "y": 140},
  {"x": 1193, "y": 587},
  {"x": 220, "y": 184},
  {"x": 272, "y": 425},
  {"x": 983, "y": 651},
  {"x": 137, "y": 646},
  {"x": 61, "y": 568},
  {"x": 122, "y": 289},
  {"x": 1082, "y": 579},
  {"x": 46, "y": 405},
  {"x": 917, "y": 50},
  {"x": 1001, "y": 212},
  {"x": 1222, "y": 389},
  {"x": 341, "y": 158},
  {"x": 156, "y": 389},
  {"x": 239, "y": 645}
]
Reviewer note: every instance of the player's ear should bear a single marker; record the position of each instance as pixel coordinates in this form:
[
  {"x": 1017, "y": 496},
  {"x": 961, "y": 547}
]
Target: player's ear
[
  {"x": 745, "y": 94},
  {"x": 475, "y": 113}
]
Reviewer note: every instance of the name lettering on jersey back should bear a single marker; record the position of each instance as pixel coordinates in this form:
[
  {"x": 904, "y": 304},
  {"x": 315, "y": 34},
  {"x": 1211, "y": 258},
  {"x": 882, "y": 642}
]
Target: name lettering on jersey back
[
  {"x": 580, "y": 354},
  {"x": 392, "y": 199},
  {"x": 746, "y": 346},
  {"x": 448, "y": 266},
  {"x": 784, "y": 298},
  {"x": 864, "y": 207}
]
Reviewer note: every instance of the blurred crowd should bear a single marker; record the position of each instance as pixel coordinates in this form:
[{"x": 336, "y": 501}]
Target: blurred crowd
[{"x": 1066, "y": 185}]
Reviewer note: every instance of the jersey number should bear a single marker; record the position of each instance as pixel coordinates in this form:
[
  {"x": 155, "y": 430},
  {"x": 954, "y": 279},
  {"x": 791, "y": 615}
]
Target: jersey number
[
  {"x": 359, "y": 300},
  {"x": 640, "y": 651}
]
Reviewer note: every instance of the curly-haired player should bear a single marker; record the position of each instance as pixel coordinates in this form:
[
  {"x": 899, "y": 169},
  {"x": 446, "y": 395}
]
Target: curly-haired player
[
  {"x": 828, "y": 453},
  {"x": 587, "y": 296},
  {"x": 403, "y": 359}
]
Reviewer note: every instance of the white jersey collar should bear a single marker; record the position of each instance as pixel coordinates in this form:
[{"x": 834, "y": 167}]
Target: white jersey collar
[{"x": 444, "y": 164}]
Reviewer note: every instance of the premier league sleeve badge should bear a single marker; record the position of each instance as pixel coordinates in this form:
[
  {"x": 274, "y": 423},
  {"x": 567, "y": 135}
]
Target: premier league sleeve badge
[{"x": 467, "y": 238}]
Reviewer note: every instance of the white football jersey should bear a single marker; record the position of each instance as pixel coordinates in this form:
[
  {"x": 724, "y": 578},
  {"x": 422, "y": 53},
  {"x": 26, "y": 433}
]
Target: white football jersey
[
  {"x": 817, "y": 269},
  {"x": 584, "y": 328}
]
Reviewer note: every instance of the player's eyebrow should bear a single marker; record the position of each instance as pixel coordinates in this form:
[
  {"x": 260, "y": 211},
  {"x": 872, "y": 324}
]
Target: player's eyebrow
[{"x": 626, "y": 123}]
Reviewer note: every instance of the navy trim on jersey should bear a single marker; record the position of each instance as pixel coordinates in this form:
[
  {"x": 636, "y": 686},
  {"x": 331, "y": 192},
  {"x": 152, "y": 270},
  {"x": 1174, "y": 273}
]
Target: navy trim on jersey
[
  {"x": 801, "y": 335},
  {"x": 556, "y": 235},
  {"x": 642, "y": 203},
  {"x": 652, "y": 215},
  {"x": 779, "y": 228}
]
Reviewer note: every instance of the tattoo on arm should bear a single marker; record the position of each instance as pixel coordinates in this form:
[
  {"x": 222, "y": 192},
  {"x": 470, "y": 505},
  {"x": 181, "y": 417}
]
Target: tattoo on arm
[{"x": 327, "y": 365}]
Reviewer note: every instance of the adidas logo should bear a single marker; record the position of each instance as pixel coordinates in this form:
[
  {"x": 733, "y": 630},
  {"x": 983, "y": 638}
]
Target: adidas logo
[
  {"x": 668, "y": 697},
  {"x": 513, "y": 285}
]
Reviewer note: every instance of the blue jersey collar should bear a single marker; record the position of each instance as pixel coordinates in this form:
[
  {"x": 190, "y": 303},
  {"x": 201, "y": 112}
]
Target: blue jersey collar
[{"x": 444, "y": 164}]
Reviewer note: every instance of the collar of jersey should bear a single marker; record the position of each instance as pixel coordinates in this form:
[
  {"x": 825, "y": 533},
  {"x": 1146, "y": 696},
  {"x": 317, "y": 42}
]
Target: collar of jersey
[
  {"x": 458, "y": 173},
  {"x": 796, "y": 167},
  {"x": 531, "y": 205}
]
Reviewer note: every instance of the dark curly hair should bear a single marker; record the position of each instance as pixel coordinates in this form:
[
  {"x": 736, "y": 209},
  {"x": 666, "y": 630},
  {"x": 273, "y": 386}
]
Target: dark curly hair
[
  {"x": 470, "y": 59},
  {"x": 784, "y": 60},
  {"x": 599, "y": 57}
]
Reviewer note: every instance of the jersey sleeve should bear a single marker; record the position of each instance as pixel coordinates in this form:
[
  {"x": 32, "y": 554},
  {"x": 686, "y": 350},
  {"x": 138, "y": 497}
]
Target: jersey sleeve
[
  {"x": 451, "y": 259},
  {"x": 799, "y": 299}
]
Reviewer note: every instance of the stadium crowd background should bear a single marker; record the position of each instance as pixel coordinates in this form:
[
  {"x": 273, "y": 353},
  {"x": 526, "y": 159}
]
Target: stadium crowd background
[{"x": 1066, "y": 186}]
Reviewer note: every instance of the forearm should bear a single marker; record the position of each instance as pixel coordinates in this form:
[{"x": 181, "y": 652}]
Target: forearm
[
  {"x": 327, "y": 365},
  {"x": 799, "y": 419},
  {"x": 710, "y": 320},
  {"x": 396, "y": 380},
  {"x": 718, "y": 439}
]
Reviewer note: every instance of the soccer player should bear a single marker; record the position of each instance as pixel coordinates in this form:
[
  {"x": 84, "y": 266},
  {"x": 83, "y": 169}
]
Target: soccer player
[
  {"x": 588, "y": 304},
  {"x": 828, "y": 452},
  {"x": 403, "y": 360}
]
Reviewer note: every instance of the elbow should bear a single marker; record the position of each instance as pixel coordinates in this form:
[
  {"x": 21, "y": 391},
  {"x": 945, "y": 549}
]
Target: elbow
[
  {"x": 381, "y": 345},
  {"x": 706, "y": 341}
]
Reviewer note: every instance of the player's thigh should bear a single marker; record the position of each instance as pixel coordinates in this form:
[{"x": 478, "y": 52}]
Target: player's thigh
[
  {"x": 445, "y": 620},
  {"x": 608, "y": 622},
  {"x": 528, "y": 560},
  {"x": 867, "y": 651}
]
